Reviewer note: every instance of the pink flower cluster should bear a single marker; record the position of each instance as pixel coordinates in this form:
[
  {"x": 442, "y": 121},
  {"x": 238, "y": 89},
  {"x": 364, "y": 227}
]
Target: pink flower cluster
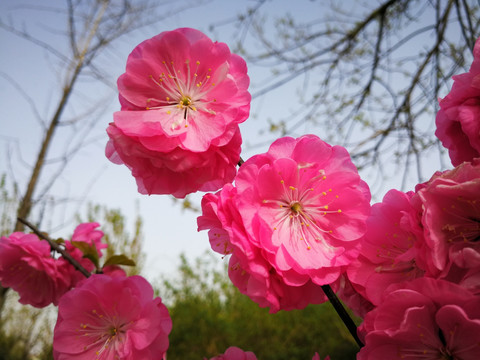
[
  {"x": 419, "y": 262},
  {"x": 182, "y": 99},
  {"x": 107, "y": 316},
  {"x": 431, "y": 233},
  {"x": 27, "y": 265},
  {"x": 423, "y": 319},
  {"x": 292, "y": 222}
]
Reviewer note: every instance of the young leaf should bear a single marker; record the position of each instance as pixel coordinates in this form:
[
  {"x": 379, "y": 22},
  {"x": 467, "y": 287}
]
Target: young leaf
[
  {"x": 89, "y": 251},
  {"x": 119, "y": 260}
]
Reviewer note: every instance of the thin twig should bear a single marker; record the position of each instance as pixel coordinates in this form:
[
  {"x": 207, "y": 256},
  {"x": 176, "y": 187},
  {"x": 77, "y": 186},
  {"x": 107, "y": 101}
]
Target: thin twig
[
  {"x": 240, "y": 162},
  {"x": 56, "y": 247}
]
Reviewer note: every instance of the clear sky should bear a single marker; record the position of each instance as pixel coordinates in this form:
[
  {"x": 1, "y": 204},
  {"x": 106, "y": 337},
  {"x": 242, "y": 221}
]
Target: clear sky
[{"x": 90, "y": 177}]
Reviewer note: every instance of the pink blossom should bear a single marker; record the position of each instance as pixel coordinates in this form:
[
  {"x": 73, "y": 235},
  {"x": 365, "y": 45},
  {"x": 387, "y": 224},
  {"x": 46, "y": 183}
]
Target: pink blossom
[
  {"x": 235, "y": 353},
  {"x": 88, "y": 233},
  {"x": 304, "y": 204},
  {"x": 423, "y": 319},
  {"x": 317, "y": 357},
  {"x": 248, "y": 269},
  {"x": 389, "y": 247},
  {"x": 451, "y": 220},
  {"x": 84, "y": 233},
  {"x": 182, "y": 99},
  {"x": 111, "y": 318},
  {"x": 458, "y": 121},
  {"x": 292, "y": 222},
  {"x": 27, "y": 266},
  {"x": 352, "y": 296}
]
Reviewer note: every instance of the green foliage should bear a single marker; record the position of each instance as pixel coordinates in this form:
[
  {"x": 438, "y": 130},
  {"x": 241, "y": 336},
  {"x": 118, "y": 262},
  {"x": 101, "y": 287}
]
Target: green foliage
[
  {"x": 209, "y": 314},
  {"x": 25, "y": 332}
]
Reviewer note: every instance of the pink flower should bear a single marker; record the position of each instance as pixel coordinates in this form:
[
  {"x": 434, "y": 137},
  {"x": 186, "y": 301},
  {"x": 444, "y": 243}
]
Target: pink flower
[
  {"x": 111, "y": 318},
  {"x": 389, "y": 248},
  {"x": 87, "y": 232},
  {"x": 451, "y": 220},
  {"x": 423, "y": 319},
  {"x": 353, "y": 297},
  {"x": 235, "y": 353},
  {"x": 248, "y": 269},
  {"x": 458, "y": 121},
  {"x": 182, "y": 99},
  {"x": 84, "y": 233},
  {"x": 317, "y": 357},
  {"x": 28, "y": 268},
  {"x": 293, "y": 221},
  {"x": 114, "y": 271},
  {"x": 305, "y": 206}
]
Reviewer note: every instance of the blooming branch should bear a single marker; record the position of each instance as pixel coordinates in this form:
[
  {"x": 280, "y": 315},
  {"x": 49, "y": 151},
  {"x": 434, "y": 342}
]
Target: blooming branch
[{"x": 56, "y": 247}]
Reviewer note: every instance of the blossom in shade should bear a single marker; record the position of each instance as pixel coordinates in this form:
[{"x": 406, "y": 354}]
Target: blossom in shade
[
  {"x": 292, "y": 222},
  {"x": 353, "y": 297},
  {"x": 451, "y": 219},
  {"x": 26, "y": 266},
  {"x": 458, "y": 120},
  {"x": 111, "y": 318},
  {"x": 423, "y": 319},
  {"x": 235, "y": 353},
  {"x": 389, "y": 247},
  {"x": 182, "y": 97}
]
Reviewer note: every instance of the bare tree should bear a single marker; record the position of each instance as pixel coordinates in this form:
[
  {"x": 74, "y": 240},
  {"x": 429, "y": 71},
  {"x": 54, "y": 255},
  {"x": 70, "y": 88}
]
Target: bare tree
[{"x": 370, "y": 73}]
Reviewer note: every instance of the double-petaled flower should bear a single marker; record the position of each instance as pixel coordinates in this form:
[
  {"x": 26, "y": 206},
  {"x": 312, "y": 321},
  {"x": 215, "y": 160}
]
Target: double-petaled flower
[
  {"x": 182, "y": 99},
  {"x": 292, "y": 222}
]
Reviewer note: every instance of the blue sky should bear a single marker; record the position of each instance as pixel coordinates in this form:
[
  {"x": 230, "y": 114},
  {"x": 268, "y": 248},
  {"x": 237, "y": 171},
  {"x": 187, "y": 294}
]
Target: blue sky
[{"x": 90, "y": 176}]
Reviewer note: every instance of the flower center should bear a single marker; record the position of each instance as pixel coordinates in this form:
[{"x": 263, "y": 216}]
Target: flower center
[
  {"x": 105, "y": 332},
  {"x": 296, "y": 207},
  {"x": 300, "y": 209},
  {"x": 463, "y": 226},
  {"x": 183, "y": 91}
]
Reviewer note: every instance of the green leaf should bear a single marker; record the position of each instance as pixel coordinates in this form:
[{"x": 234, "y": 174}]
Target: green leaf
[
  {"x": 119, "y": 260},
  {"x": 89, "y": 251}
]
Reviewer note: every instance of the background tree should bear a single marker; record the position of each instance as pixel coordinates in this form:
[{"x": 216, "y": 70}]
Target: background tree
[
  {"x": 209, "y": 314},
  {"x": 367, "y": 74}
]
